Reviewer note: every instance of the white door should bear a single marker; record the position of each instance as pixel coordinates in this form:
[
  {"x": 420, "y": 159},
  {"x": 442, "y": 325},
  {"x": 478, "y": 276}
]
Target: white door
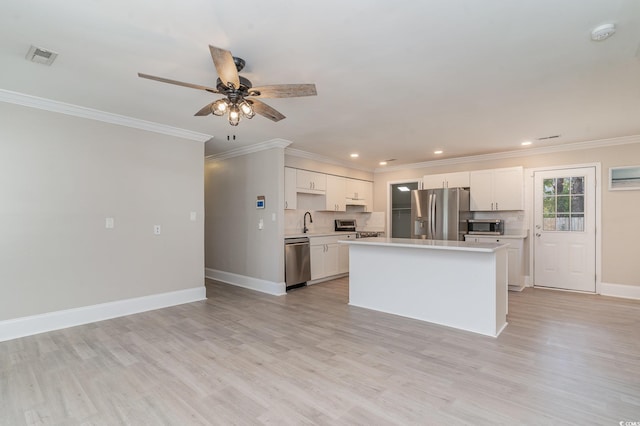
[{"x": 565, "y": 229}]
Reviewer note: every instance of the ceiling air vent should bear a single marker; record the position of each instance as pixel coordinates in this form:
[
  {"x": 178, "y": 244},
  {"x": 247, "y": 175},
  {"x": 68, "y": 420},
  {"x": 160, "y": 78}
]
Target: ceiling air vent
[
  {"x": 548, "y": 137},
  {"x": 41, "y": 56}
]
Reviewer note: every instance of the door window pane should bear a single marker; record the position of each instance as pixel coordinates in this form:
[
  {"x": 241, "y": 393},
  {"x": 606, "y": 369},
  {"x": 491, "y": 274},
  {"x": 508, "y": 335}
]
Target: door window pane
[
  {"x": 549, "y": 205},
  {"x": 562, "y": 223},
  {"x": 549, "y": 223},
  {"x": 577, "y": 223},
  {"x": 577, "y": 185},
  {"x": 577, "y": 204},
  {"x": 549, "y": 186},
  {"x": 563, "y": 186},
  {"x": 563, "y": 204}
]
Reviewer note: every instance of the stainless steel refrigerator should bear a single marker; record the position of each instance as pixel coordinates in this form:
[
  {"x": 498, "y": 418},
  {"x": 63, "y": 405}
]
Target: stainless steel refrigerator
[{"x": 439, "y": 214}]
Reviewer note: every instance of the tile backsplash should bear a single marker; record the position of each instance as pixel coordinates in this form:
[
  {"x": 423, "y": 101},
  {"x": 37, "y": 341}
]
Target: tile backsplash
[
  {"x": 323, "y": 221},
  {"x": 514, "y": 221}
]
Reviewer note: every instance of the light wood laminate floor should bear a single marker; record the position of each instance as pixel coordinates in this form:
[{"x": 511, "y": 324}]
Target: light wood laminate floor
[{"x": 243, "y": 357}]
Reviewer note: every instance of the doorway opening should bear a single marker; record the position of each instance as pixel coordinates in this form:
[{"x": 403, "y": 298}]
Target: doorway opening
[{"x": 400, "y": 208}]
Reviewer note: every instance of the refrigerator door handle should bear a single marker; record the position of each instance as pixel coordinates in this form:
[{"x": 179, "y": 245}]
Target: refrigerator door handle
[
  {"x": 432, "y": 215},
  {"x": 429, "y": 216}
]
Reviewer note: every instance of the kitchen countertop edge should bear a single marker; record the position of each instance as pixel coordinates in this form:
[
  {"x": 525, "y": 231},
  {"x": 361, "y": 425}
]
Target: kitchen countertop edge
[
  {"x": 320, "y": 234},
  {"x": 428, "y": 244}
]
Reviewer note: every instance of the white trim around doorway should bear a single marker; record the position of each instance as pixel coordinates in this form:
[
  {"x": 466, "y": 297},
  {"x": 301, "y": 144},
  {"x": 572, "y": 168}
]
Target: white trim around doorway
[{"x": 390, "y": 183}]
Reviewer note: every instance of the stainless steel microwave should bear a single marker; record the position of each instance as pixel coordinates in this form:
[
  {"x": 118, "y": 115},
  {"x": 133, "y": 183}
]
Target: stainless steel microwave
[{"x": 485, "y": 226}]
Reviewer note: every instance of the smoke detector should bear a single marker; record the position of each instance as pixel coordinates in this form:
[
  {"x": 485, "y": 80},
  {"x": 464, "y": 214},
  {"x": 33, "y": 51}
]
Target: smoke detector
[
  {"x": 603, "y": 32},
  {"x": 40, "y": 55}
]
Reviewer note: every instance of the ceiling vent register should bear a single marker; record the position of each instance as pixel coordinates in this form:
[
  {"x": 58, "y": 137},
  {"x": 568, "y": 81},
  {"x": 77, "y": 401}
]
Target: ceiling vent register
[{"x": 41, "y": 56}]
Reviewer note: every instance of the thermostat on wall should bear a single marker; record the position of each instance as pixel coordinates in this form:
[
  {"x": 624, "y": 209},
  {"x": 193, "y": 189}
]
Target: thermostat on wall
[{"x": 260, "y": 202}]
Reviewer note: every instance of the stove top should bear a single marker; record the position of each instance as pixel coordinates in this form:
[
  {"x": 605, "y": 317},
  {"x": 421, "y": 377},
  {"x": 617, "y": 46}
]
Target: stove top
[{"x": 367, "y": 234}]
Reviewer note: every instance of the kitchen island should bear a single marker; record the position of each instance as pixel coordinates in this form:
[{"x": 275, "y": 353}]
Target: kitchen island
[{"x": 454, "y": 283}]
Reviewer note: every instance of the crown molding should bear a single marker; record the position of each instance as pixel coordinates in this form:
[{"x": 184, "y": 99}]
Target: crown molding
[
  {"x": 244, "y": 150},
  {"x": 321, "y": 158},
  {"x": 524, "y": 152},
  {"x": 94, "y": 114}
]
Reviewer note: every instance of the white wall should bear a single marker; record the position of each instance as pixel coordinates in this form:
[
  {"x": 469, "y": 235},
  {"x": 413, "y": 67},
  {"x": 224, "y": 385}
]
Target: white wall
[
  {"x": 234, "y": 244},
  {"x": 60, "y": 177}
]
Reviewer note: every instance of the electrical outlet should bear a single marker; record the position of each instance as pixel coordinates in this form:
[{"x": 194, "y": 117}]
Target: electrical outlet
[{"x": 157, "y": 229}]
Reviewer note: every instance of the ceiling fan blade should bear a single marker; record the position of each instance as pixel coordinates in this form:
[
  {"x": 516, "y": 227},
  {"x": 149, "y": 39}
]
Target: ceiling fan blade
[
  {"x": 179, "y": 83},
  {"x": 284, "y": 91},
  {"x": 225, "y": 66},
  {"x": 206, "y": 110},
  {"x": 265, "y": 110}
]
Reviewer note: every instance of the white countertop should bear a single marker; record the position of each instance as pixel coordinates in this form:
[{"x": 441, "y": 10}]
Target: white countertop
[
  {"x": 522, "y": 234},
  {"x": 319, "y": 234},
  {"x": 427, "y": 244}
]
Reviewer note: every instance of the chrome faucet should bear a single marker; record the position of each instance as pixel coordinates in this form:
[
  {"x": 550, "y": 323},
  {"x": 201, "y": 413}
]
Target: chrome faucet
[{"x": 304, "y": 220}]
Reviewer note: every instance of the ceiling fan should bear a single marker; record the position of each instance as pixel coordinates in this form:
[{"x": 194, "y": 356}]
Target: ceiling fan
[{"x": 240, "y": 95}]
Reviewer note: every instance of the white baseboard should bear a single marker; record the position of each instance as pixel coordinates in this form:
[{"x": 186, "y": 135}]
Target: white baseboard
[
  {"x": 619, "y": 290},
  {"x": 35, "y": 324},
  {"x": 257, "y": 284}
]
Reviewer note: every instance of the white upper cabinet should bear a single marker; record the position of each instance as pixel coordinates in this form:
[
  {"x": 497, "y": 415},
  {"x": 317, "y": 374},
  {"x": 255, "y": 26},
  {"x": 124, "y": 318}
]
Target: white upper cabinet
[
  {"x": 311, "y": 182},
  {"x": 359, "y": 193},
  {"x": 446, "y": 180},
  {"x": 497, "y": 189},
  {"x": 290, "y": 194},
  {"x": 335, "y": 194}
]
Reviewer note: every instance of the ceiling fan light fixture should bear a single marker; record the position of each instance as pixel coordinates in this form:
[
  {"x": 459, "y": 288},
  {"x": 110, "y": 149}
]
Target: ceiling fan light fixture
[
  {"x": 219, "y": 107},
  {"x": 234, "y": 115},
  {"x": 247, "y": 109}
]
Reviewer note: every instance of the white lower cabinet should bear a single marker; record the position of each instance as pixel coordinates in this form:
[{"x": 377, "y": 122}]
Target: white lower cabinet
[
  {"x": 515, "y": 254},
  {"x": 328, "y": 256}
]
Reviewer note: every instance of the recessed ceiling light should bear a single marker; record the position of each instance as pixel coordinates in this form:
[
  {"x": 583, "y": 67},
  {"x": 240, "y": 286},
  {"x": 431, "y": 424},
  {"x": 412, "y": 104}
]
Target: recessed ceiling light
[
  {"x": 603, "y": 32},
  {"x": 403, "y": 189},
  {"x": 354, "y": 155},
  {"x": 525, "y": 143},
  {"x": 383, "y": 163},
  {"x": 438, "y": 152}
]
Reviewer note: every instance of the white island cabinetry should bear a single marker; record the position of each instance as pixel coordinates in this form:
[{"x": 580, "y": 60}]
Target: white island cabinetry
[
  {"x": 453, "y": 283},
  {"x": 515, "y": 256}
]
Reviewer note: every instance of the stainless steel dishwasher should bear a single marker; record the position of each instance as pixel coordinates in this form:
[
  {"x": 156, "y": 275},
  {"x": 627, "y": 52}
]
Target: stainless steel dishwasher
[{"x": 297, "y": 262}]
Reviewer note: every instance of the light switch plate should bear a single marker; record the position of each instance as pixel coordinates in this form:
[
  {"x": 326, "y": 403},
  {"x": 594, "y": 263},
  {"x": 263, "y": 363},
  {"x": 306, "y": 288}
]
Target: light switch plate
[
  {"x": 157, "y": 229},
  {"x": 109, "y": 223},
  {"x": 193, "y": 216}
]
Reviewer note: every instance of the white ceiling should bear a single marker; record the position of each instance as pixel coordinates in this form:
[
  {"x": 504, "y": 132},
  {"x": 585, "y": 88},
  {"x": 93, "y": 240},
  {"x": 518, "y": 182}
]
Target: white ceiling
[{"x": 395, "y": 79}]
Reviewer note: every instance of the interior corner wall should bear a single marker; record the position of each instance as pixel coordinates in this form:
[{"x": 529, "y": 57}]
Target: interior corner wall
[
  {"x": 233, "y": 242},
  {"x": 619, "y": 231},
  {"x": 60, "y": 178}
]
